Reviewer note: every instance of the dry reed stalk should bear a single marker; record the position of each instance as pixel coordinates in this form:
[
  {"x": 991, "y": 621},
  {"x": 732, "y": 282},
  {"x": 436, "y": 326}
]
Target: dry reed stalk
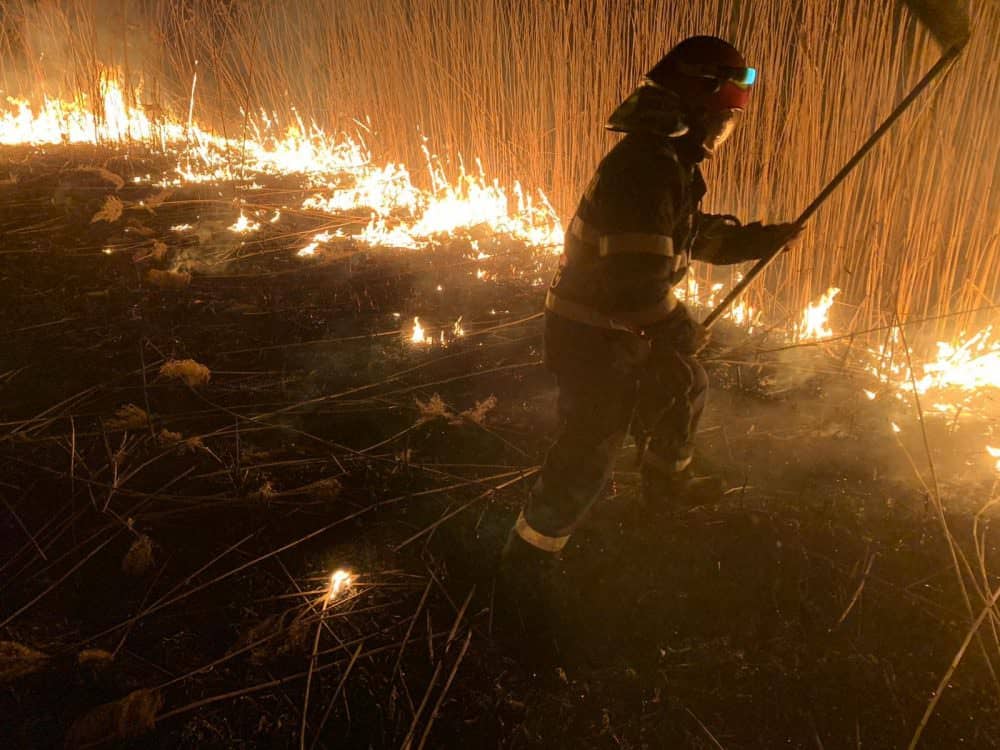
[
  {"x": 526, "y": 86},
  {"x": 989, "y": 606},
  {"x": 444, "y": 690}
]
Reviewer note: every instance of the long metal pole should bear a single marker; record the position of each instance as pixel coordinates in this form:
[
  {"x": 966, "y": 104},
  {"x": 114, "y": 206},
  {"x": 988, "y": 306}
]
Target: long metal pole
[{"x": 833, "y": 184}]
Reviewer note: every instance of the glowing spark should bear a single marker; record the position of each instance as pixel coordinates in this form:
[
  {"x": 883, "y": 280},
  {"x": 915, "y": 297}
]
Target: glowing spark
[
  {"x": 457, "y": 329},
  {"x": 181, "y": 228},
  {"x": 308, "y": 250},
  {"x": 895, "y": 428},
  {"x": 870, "y": 395},
  {"x": 340, "y": 581}
]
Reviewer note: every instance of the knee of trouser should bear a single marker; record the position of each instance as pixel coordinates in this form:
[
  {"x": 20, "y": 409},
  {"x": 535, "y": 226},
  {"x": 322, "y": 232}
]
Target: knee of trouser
[{"x": 580, "y": 456}]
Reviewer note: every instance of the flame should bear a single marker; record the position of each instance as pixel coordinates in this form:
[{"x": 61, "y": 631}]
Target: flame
[
  {"x": 340, "y": 581},
  {"x": 740, "y": 312},
  {"x": 969, "y": 366},
  {"x": 815, "y": 324},
  {"x": 339, "y": 176},
  {"x": 418, "y": 336},
  {"x": 338, "y": 168},
  {"x": 243, "y": 225}
]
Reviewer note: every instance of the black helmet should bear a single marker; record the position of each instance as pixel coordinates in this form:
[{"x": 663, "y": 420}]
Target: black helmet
[
  {"x": 697, "y": 88},
  {"x": 708, "y": 70}
]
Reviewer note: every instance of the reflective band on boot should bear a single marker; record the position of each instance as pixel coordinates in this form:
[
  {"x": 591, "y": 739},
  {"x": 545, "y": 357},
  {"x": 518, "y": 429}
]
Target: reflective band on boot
[{"x": 536, "y": 538}]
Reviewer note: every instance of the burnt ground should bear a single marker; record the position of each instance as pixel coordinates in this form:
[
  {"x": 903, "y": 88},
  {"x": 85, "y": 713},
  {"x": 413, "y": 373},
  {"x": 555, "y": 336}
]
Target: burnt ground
[{"x": 167, "y": 568}]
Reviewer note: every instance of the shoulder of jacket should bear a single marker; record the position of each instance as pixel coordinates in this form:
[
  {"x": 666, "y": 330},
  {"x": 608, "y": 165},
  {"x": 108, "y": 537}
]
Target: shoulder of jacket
[{"x": 636, "y": 155}]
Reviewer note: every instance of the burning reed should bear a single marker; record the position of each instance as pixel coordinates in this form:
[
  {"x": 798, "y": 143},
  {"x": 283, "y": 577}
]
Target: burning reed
[{"x": 527, "y": 86}]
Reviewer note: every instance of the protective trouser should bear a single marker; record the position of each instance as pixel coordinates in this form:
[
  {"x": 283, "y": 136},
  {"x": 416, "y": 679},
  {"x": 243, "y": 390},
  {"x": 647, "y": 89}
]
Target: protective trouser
[{"x": 608, "y": 382}]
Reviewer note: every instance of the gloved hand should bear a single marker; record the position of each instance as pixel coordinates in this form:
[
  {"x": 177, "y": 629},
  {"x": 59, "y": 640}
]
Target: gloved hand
[
  {"x": 785, "y": 235},
  {"x": 763, "y": 240}
]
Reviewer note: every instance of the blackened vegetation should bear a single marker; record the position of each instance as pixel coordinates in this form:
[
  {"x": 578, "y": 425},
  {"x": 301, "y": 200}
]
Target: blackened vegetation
[{"x": 167, "y": 547}]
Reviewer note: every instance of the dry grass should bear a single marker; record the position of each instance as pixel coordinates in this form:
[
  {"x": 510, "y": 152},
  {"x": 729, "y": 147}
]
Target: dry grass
[
  {"x": 139, "y": 558},
  {"x": 527, "y": 86},
  {"x": 188, "y": 371},
  {"x": 18, "y": 660},
  {"x": 132, "y": 716},
  {"x": 128, "y": 417}
]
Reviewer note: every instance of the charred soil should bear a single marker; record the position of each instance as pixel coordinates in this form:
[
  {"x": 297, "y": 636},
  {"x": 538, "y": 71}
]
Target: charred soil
[{"x": 169, "y": 542}]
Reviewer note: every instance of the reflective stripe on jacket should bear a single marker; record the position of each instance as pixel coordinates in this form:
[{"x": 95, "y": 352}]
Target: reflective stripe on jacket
[{"x": 630, "y": 240}]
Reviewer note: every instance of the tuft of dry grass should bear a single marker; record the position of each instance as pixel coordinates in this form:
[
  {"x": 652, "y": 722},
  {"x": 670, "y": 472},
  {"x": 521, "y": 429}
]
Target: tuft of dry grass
[
  {"x": 18, "y": 660},
  {"x": 325, "y": 489},
  {"x": 110, "y": 212},
  {"x": 187, "y": 370},
  {"x": 159, "y": 253},
  {"x": 96, "y": 658},
  {"x": 104, "y": 175},
  {"x": 433, "y": 408},
  {"x": 128, "y": 417},
  {"x": 477, "y": 414},
  {"x": 139, "y": 558},
  {"x": 124, "y": 719}
]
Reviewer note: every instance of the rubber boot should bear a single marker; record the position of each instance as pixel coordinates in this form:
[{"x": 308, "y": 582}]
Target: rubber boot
[
  {"x": 679, "y": 491},
  {"x": 523, "y": 605}
]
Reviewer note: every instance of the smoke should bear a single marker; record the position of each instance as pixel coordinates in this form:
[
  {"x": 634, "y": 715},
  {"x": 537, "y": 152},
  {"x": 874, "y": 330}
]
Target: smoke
[{"x": 61, "y": 47}]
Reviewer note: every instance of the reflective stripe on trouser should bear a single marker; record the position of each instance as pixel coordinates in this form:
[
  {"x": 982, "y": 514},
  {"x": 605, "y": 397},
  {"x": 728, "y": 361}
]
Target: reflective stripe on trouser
[{"x": 536, "y": 538}]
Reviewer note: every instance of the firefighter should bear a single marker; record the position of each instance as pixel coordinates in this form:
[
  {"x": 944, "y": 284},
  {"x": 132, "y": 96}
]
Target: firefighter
[{"x": 622, "y": 347}]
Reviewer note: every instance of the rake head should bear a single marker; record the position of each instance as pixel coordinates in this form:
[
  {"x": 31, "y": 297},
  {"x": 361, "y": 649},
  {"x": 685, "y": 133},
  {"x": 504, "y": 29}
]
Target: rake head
[{"x": 947, "y": 20}]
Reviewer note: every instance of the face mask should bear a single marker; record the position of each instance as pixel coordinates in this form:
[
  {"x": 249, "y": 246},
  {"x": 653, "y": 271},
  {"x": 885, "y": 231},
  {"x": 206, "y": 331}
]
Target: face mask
[{"x": 718, "y": 127}]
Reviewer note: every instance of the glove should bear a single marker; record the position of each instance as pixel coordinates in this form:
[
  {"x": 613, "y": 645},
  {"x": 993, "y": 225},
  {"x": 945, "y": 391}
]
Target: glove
[
  {"x": 785, "y": 235},
  {"x": 764, "y": 240}
]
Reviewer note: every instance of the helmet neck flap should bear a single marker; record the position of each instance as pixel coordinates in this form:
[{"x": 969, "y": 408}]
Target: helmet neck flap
[{"x": 650, "y": 109}]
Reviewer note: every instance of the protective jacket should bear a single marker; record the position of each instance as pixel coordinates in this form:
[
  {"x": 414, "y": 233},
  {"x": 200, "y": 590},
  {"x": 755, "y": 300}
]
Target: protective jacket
[{"x": 635, "y": 233}]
